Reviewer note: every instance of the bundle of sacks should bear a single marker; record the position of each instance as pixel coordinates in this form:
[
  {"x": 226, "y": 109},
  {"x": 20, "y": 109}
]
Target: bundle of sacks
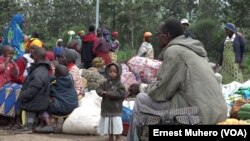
[
  {"x": 128, "y": 77},
  {"x": 95, "y": 74},
  {"x": 146, "y": 68}
]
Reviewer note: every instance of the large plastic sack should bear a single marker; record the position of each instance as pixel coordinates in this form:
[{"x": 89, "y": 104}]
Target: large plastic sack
[
  {"x": 145, "y": 67},
  {"x": 84, "y": 119},
  {"x": 127, "y": 77},
  {"x": 129, "y": 103},
  {"x": 230, "y": 89},
  {"x": 245, "y": 85},
  {"x": 125, "y": 68},
  {"x": 127, "y": 110},
  {"x": 126, "y": 114}
]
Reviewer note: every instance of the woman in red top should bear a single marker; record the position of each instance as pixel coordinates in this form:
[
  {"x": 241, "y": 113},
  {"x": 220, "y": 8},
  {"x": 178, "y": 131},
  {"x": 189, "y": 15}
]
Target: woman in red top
[{"x": 102, "y": 50}]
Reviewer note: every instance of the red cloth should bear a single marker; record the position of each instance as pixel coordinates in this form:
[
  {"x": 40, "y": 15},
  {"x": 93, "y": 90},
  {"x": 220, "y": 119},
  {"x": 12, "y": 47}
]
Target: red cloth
[
  {"x": 101, "y": 50},
  {"x": 21, "y": 66},
  {"x": 6, "y": 73},
  {"x": 50, "y": 56},
  {"x": 90, "y": 37},
  {"x": 70, "y": 66},
  {"x": 115, "y": 34},
  {"x": 105, "y": 57}
]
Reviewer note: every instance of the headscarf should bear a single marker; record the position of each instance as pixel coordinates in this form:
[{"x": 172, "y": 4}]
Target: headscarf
[
  {"x": 147, "y": 34},
  {"x": 71, "y": 34},
  {"x": 36, "y": 42},
  {"x": 98, "y": 62},
  {"x": 50, "y": 56},
  {"x": 14, "y": 35},
  {"x": 70, "y": 54},
  {"x": 81, "y": 32},
  {"x": 115, "y": 34}
]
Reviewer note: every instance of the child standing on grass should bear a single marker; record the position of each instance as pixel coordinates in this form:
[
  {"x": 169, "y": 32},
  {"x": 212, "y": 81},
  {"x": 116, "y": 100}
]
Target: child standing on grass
[{"x": 112, "y": 92}]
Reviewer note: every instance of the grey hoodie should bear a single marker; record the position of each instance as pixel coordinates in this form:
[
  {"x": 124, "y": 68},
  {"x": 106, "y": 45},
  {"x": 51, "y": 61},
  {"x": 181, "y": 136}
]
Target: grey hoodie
[
  {"x": 187, "y": 79},
  {"x": 112, "y": 103}
]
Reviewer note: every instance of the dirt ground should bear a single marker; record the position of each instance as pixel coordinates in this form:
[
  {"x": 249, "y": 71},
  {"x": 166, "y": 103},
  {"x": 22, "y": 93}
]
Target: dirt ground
[{"x": 7, "y": 135}]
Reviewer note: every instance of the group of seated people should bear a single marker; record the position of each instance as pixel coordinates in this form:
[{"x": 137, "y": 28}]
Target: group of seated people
[{"x": 38, "y": 86}]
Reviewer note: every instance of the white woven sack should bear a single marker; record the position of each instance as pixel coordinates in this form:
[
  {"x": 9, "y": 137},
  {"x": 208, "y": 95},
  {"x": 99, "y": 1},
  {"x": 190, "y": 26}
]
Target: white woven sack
[{"x": 84, "y": 119}]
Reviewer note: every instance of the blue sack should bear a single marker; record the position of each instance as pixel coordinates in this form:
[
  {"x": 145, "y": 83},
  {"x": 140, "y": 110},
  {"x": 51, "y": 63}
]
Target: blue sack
[{"x": 126, "y": 114}]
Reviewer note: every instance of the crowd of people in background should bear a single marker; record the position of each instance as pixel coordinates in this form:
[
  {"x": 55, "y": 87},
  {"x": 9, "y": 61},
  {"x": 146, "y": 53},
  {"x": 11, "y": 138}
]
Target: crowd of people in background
[{"x": 42, "y": 83}]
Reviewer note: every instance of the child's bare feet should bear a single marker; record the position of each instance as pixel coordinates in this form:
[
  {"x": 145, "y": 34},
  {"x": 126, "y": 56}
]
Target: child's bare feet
[{"x": 117, "y": 138}]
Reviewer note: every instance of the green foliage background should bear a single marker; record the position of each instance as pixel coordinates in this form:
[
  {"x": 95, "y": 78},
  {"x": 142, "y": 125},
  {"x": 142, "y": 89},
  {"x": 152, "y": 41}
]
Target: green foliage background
[{"x": 131, "y": 18}]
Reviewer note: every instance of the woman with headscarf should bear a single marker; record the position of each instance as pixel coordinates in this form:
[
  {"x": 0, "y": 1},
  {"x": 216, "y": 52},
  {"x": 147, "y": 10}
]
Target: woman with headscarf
[
  {"x": 14, "y": 35},
  {"x": 114, "y": 46},
  {"x": 68, "y": 58},
  {"x": 101, "y": 50},
  {"x": 232, "y": 55},
  {"x": 33, "y": 41},
  {"x": 146, "y": 48}
]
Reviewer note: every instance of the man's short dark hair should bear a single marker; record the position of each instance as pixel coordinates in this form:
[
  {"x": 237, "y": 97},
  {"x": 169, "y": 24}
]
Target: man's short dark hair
[
  {"x": 173, "y": 27},
  {"x": 91, "y": 28},
  {"x": 40, "y": 52}
]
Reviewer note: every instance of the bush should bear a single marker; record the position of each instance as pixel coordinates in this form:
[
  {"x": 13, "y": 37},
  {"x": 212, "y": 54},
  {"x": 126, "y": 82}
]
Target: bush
[{"x": 211, "y": 34}]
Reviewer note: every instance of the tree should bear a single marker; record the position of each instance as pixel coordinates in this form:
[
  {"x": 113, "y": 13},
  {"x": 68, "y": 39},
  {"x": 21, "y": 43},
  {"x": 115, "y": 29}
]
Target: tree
[{"x": 8, "y": 9}]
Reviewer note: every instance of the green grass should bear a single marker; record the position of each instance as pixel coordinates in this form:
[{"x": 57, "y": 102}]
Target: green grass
[{"x": 125, "y": 55}]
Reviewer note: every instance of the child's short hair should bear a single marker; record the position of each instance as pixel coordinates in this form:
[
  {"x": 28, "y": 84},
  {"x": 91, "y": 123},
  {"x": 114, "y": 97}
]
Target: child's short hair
[
  {"x": 98, "y": 62},
  {"x": 6, "y": 48},
  {"x": 61, "y": 70},
  {"x": 39, "y": 52}
]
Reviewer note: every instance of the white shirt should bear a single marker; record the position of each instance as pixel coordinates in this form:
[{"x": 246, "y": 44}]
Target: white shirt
[{"x": 147, "y": 49}]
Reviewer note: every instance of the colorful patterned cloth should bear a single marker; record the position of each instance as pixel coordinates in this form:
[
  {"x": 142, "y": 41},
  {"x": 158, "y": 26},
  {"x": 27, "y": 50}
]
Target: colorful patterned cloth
[
  {"x": 14, "y": 36},
  {"x": 146, "y": 68},
  {"x": 78, "y": 84},
  {"x": 94, "y": 78},
  {"x": 8, "y": 99},
  {"x": 230, "y": 70},
  {"x": 113, "y": 56}
]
